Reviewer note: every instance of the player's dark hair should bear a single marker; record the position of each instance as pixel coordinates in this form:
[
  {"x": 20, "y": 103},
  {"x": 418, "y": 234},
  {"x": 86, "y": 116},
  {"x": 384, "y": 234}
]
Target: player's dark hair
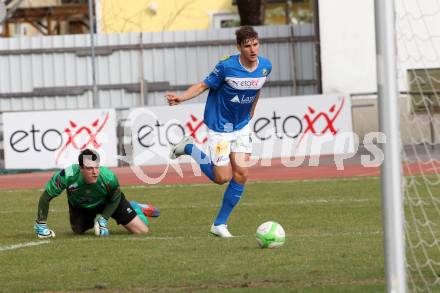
[
  {"x": 89, "y": 155},
  {"x": 245, "y": 33}
]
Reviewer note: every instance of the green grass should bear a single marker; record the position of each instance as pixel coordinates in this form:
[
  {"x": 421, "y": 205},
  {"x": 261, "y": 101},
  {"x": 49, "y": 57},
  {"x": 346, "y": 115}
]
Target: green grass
[{"x": 333, "y": 228}]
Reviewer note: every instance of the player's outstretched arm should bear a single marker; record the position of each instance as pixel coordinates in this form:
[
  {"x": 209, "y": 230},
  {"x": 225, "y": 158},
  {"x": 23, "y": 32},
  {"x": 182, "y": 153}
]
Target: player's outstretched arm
[
  {"x": 192, "y": 92},
  {"x": 40, "y": 227}
]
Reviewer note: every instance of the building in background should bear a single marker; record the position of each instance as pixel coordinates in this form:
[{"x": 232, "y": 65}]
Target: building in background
[
  {"x": 59, "y": 17},
  {"x": 44, "y": 17},
  {"x": 162, "y": 15},
  {"x": 165, "y": 15},
  {"x": 277, "y": 12}
]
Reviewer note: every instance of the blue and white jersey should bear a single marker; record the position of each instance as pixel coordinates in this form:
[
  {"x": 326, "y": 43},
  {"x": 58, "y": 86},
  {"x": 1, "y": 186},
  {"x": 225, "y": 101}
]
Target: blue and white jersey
[{"x": 232, "y": 92}]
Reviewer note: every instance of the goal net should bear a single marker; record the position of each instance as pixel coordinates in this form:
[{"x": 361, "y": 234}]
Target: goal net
[{"x": 418, "y": 67}]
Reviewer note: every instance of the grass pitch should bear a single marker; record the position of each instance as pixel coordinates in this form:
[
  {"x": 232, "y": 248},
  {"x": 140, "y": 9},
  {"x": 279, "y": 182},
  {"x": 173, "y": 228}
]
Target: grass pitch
[{"x": 333, "y": 243}]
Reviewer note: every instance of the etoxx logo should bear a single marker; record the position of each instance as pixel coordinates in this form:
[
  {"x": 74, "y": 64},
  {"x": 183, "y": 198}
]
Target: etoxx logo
[
  {"x": 193, "y": 126},
  {"x": 155, "y": 132},
  {"x": 321, "y": 123},
  {"x": 76, "y": 134},
  {"x": 245, "y": 83}
]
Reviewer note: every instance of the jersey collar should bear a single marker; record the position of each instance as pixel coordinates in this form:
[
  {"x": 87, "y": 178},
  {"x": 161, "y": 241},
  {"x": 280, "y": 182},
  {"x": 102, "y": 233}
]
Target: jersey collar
[{"x": 247, "y": 69}]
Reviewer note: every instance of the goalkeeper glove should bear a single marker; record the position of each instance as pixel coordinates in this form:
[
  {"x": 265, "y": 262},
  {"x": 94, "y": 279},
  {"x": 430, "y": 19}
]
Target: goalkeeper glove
[
  {"x": 101, "y": 229},
  {"x": 43, "y": 231}
]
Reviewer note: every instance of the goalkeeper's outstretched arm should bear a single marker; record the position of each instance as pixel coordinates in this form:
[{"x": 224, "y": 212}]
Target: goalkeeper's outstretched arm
[
  {"x": 41, "y": 228},
  {"x": 43, "y": 207}
]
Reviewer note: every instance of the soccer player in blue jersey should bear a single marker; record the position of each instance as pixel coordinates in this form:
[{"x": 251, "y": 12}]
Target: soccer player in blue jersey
[{"x": 234, "y": 89}]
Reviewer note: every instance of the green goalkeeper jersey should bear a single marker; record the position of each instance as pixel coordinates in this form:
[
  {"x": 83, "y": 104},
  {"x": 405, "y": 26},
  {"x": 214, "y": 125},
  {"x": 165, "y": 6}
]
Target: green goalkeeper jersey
[{"x": 105, "y": 191}]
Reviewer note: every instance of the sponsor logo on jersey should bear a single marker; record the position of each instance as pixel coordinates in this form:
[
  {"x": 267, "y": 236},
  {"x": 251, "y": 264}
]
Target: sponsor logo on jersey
[
  {"x": 236, "y": 99},
  {"x": 73, "y": 187},
  {"x": 244, "y": 100},
  {"x": 247, "y": 100},
  {"x": 245, "y": 83}
]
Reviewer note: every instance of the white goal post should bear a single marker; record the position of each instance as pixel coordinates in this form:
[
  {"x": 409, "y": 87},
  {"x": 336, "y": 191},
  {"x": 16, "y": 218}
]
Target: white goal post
[
  {"x": 408, "y": 79},
  {"x": 391, "y": 174}
]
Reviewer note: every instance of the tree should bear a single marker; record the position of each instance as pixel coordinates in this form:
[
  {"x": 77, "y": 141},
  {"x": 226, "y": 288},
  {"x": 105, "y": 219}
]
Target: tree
[{"x": 250, "y": 12}]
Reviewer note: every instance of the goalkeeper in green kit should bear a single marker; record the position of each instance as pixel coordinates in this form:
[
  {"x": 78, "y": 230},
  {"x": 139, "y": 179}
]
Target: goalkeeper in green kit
[{"x": 93, "y": 195}]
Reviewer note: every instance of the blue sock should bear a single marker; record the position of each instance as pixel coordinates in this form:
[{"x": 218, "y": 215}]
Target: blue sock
[
  {"x": 202, "y": 159},
  {"x": 230, "y": 199}
]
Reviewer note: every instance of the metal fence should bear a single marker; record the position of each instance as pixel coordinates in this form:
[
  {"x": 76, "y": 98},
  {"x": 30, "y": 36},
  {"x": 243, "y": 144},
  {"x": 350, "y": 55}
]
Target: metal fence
[{"x": 136, "y": 69}]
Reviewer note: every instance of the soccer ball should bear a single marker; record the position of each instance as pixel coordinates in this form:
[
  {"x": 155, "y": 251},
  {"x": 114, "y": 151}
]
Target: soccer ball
[{"x": 270, "y": 235}]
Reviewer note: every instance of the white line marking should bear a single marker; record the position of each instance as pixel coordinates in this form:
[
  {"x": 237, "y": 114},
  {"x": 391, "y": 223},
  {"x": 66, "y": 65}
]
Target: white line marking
[
  {"x": 291, "y": 236},
  {"x": 23, "y": 245},
  {"x": 252, "y": 182},
  {"x": 198, "y": 206},
  {"x": 21, "y": 190},
  {"x": 283, "y": 203},
  {"x": 341, "y": 234},
  {"x": 151, "y": 238},
  {"x": 208, "y": 183},
  {"x": 25, "y": 211}
]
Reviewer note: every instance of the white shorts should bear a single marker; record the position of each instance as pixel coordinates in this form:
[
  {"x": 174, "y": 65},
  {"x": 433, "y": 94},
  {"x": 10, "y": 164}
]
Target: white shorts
[{"x": 222, "y": 144}]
